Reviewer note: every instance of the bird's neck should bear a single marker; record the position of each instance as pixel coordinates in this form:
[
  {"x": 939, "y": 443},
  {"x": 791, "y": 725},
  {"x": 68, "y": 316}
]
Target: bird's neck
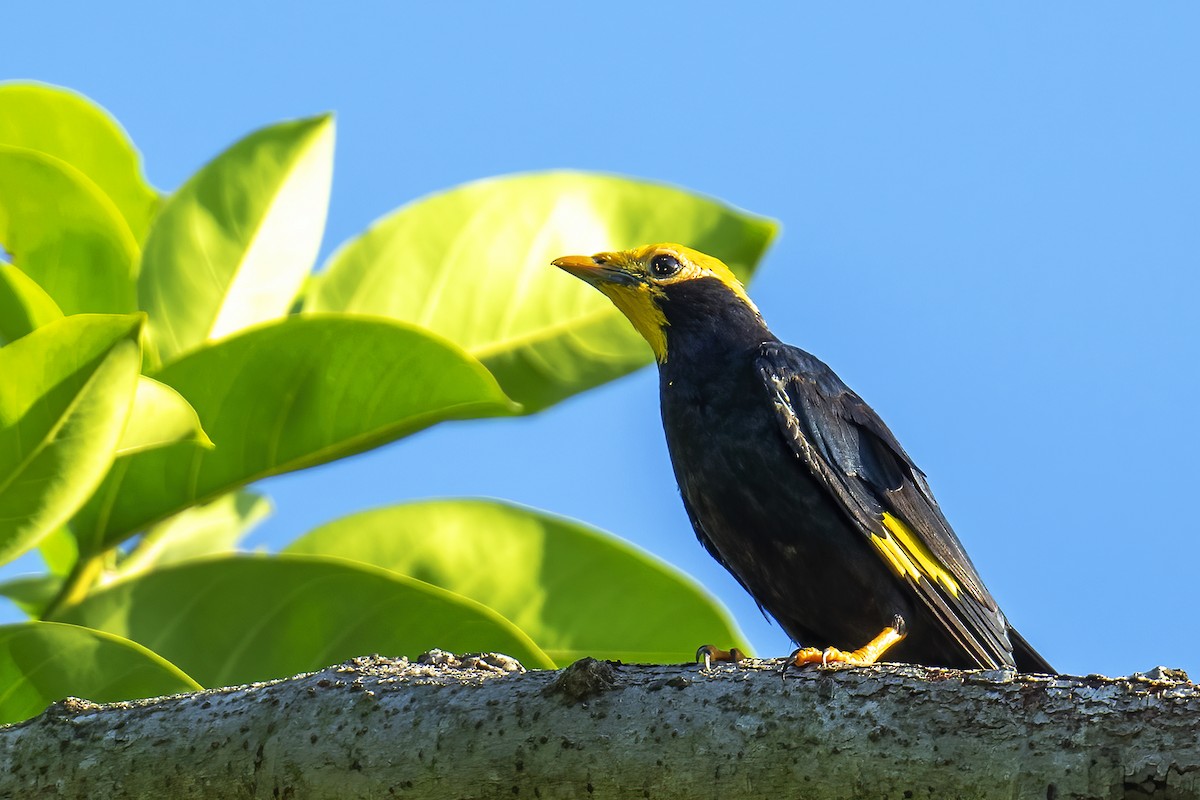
[
  {"x": 706, "y": 330},
  {"x": 709, "y": 376}
]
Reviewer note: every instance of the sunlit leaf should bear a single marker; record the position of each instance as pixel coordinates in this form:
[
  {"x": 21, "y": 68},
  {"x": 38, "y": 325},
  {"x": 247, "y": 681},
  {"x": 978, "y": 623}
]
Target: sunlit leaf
[
  {"x": 72, "y": 128},
  {"x": 234, "y": 245},
  {"x": 59, "y": 551},
  {"x": 65, "y": 234},
  {"x": 43, "y": 662},
  {"x": 289, "y": 395},
  {"x": 245, "y": 618},
  {"x": 473, "y": 264},
  {"x": 160, "y": 417},
  {"x": 24, "y": 305},
  {"x": 575, "y": 590},
  {"x": 64, "y": 400},
  {"x": 203, "y": 530}
]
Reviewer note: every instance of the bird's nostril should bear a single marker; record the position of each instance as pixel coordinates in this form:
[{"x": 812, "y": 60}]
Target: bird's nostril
[{"x": 600, "y": 259}]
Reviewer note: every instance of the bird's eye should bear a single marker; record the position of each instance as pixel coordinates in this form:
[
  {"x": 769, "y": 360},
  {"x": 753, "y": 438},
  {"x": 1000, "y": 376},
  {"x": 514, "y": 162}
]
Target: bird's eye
[{"x": 664, "y": 265}]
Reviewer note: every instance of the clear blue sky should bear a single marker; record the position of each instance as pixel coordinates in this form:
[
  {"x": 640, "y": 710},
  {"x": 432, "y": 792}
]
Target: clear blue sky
[{"x": 990, "y": 231}]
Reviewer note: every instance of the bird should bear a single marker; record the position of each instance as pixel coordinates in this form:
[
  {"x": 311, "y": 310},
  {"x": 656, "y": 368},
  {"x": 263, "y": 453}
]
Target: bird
[{"x": 795, "y": 485}]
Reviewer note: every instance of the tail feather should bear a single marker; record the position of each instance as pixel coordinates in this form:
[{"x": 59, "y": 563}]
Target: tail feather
[{"x": 1028, "y": 659}]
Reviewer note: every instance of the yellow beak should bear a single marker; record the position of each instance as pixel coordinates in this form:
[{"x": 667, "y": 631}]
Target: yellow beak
[
  {"x": 595, "y": 272},
  {"x": 584, "y": 267}
]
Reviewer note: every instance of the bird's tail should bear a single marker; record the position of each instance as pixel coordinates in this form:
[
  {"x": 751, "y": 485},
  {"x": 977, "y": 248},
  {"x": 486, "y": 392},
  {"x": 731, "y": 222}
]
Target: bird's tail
[{"x": 1028, "y": 659}]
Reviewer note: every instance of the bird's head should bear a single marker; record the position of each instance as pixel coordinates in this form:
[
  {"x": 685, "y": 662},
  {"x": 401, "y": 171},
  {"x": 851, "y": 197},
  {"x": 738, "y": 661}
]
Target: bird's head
[{"x": 662, "y": 285}]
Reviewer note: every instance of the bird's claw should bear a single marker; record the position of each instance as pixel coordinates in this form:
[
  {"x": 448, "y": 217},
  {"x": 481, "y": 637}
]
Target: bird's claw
[
  {"x": 709, "y": 653},
  {"x": 812, "y": 655},
  {"x": 863, "y": 656}
]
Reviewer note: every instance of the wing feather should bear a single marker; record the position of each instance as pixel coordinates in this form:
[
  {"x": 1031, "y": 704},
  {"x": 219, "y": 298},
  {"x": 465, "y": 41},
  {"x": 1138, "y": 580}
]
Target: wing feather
[{"x": 849, "y": 449}]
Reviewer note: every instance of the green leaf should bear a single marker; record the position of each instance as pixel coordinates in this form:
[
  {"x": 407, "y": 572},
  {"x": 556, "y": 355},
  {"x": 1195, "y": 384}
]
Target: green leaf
[
  {"x": 68, "y": 126},
  {"x": 575, "y": 590},
  {"x": 43, "y": 662},
  {"x": 31, "y": 593},
  {"x": 64, "y": 400},
  {"x": 160, "y": 417},
  {"x": 59, "y": 551},
  {"x": 65, "y": 234},
  {"x": 24, "y": 305},
  {"x": 208, "y": 529},
  {"x": 199, "y": 531},
  {"x": 289, "y": 395},
  {"x": 246, "y": 618},
  {"x": 234, "y": 245},
  {"x": 473, "y": 264}
]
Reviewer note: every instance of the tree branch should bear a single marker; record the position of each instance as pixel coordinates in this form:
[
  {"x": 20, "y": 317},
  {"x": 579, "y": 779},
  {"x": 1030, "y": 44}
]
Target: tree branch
[{"x": 377, "y": 727}]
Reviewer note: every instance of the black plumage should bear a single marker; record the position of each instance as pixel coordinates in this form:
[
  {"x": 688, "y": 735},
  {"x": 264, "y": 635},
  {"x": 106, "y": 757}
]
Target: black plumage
[{"x": 793, "y": 482}]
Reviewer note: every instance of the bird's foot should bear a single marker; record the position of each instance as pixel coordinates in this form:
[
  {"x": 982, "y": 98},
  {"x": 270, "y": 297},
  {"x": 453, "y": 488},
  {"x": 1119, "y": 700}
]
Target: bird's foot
[
  {"x": 869, "y": 653},
  {"x": 708, "y": 654}
]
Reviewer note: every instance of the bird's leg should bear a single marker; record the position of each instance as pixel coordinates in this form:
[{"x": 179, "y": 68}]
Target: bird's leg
[
  {"x": 708, "y": 654},
  {"x": 869, "y": 653}
]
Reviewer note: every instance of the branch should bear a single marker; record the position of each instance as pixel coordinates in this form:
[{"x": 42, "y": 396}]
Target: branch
[{"x": 378, "y": 727}]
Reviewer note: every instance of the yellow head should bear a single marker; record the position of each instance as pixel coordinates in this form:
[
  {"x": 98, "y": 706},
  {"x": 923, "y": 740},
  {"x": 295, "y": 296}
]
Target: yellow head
[{"x": 640, "y": 281}]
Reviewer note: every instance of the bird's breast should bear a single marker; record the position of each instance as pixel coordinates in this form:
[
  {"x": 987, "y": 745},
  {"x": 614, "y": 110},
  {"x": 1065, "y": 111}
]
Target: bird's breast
[{"x": 768, "y": 517}]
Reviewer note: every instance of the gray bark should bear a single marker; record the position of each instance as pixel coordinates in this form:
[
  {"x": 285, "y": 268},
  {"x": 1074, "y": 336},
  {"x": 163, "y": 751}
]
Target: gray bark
[{"x": 377, "y": 727}]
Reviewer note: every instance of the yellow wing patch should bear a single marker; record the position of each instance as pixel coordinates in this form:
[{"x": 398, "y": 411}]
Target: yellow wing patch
[{"x": 909, "y": 556}]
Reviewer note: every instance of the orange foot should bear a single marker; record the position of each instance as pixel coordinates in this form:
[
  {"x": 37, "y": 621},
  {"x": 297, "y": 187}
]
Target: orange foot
[
  {"x": 708, "y": 654},
  {"x": 867, "y": 654}
]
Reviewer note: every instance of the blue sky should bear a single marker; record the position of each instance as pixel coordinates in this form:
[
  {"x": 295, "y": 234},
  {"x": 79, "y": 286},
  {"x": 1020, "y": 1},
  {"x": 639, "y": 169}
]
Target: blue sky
[{"x": 989, "y": 230}]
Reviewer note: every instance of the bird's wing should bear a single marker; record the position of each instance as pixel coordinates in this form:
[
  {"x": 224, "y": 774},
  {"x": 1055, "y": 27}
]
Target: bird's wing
[{"x": 845, "y": 444}]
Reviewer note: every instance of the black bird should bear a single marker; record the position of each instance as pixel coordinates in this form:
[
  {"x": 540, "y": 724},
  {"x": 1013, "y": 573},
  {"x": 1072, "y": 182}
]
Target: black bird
[{"x": 794, "y": 484}]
